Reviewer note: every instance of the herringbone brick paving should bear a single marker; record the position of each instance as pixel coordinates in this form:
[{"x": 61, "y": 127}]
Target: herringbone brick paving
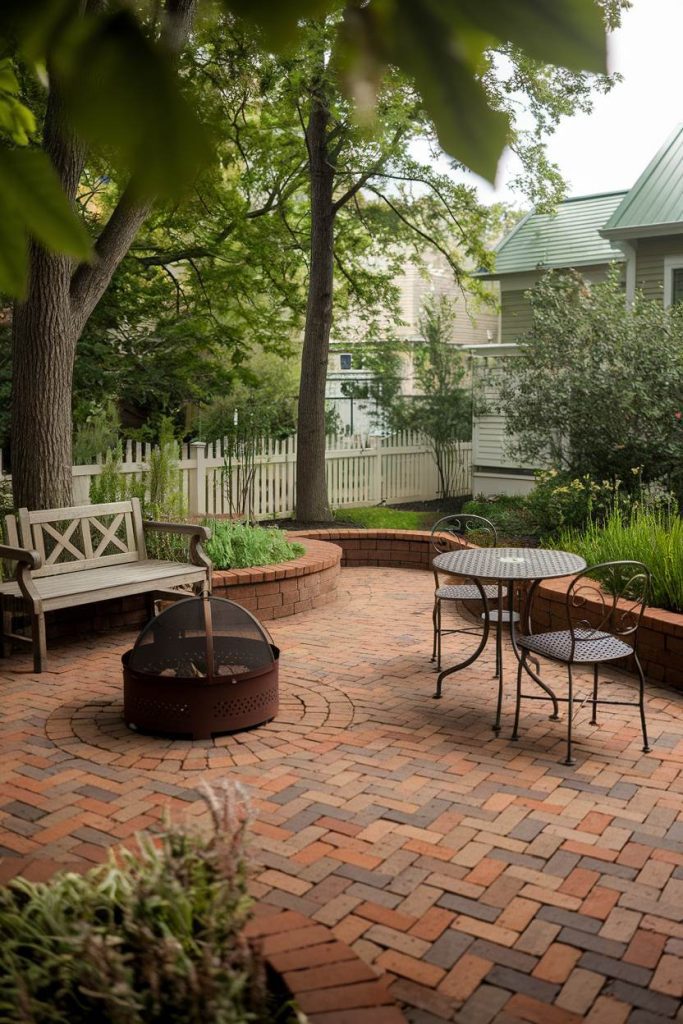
[{"x": 484, "y": 879}]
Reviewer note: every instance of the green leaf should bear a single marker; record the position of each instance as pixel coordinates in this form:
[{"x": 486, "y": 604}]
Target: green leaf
[
  {"x": 279, "y": 20},
  {"x": 28, "y": 178},
  {"x": 570, "y": 33},
  {"x": 122, "y": 93}
]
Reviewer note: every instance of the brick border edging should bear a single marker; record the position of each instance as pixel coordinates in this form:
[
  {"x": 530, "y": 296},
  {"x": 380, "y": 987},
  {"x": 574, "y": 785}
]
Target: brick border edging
[
  {"x": 328, "y": 980},
  {"x": 286, "y": 588},
  {"x": 660, "y": 637}
]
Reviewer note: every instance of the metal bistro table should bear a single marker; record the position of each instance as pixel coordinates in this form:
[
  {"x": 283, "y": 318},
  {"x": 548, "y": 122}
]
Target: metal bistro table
[{"x": 506, "y": 566}]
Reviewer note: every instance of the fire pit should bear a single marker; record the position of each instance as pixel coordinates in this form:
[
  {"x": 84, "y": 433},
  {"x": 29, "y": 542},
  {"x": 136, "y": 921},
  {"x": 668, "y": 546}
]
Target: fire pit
[{"x": 203, "y": 666}]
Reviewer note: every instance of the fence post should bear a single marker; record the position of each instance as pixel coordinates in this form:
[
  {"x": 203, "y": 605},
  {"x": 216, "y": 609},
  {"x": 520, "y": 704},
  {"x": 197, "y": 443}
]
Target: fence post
[
  {"x": 197, "y": 489},
  {"x": 374, "y": 451}
]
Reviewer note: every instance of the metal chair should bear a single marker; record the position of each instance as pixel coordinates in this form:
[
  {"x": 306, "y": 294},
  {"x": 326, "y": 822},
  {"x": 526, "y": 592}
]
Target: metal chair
[
  {"x": 483, "y": 533},
  {"x": 617, "y": 593}
]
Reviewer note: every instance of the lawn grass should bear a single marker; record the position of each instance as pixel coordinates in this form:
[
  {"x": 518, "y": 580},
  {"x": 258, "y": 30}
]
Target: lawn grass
[{"x": 377, "y": 517}]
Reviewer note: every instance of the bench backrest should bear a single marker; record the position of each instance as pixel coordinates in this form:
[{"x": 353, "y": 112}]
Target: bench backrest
[{"x": 80, "y": 537}]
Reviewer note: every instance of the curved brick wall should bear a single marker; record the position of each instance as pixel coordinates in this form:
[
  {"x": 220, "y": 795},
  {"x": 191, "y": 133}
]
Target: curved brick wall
[
  {"x": 407, "y": 549},
  {"x": 273, "y": 591}
]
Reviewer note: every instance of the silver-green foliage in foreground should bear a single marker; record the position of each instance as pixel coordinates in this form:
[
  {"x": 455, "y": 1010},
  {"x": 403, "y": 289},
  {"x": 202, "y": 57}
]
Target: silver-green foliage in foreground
[
  {"x": 153, "y": 935},
  {"x": 238, "y": 546}
]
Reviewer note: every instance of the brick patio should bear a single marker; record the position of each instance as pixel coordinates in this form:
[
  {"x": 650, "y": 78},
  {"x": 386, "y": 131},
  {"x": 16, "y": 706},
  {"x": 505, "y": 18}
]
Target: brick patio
[{"x": 483, "y": 878}]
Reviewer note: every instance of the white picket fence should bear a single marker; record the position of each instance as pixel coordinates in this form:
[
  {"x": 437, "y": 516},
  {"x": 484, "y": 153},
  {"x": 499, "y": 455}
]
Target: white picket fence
[{"x": 361, "y": 470}]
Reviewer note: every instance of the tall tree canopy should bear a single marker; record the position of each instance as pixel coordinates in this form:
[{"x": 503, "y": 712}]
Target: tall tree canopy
[{"x": 114, "y": 91}]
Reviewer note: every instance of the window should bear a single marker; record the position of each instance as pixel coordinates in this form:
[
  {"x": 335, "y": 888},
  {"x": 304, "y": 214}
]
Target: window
[
  {"x": 673, "y": 280},
  {"x": 677, "y": 285},
  {"x": 345, "y": 361}
]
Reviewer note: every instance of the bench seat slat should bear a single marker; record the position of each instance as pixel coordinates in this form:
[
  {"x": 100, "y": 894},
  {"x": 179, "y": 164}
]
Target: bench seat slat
[{"x": 123, "y": 580}]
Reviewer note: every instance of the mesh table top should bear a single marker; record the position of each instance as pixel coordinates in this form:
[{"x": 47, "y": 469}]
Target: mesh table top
[{"x": 509, "y": 563}]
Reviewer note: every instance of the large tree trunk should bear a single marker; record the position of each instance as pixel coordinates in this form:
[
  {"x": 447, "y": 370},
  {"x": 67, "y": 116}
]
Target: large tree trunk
[
  {"x": 44, "y": 348},
  {"x": 43, "y": 351},
  {"x": 311, "y": 489},
  {"x": 47, "y": 325}
]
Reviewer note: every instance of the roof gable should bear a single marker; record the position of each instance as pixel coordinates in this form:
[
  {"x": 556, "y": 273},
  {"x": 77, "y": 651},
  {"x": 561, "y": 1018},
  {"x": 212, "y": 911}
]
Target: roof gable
[
  {"x": 656, "y": 199},
  {"x": 569, "y": 237}
]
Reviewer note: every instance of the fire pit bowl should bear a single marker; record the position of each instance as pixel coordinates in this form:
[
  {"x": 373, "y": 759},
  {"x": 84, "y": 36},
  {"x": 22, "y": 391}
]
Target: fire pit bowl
[{"x": 203, "y": 666}]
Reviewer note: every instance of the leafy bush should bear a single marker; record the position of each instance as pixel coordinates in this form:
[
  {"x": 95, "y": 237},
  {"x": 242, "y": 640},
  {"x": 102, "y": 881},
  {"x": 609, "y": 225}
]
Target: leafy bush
[
  {"x": 96, "y": 432},
  {"x": 112, "y": 484},
  {"x": 164, "y": 499},
  {"x": 153, "y": 936},
  {"x": 650, "y": 537},
  {"x": 559, "y": 502},
  {"x": 595, "y": 387},
  {"x": 509, "y": 514},
  {"x": 238, "y": 546}
]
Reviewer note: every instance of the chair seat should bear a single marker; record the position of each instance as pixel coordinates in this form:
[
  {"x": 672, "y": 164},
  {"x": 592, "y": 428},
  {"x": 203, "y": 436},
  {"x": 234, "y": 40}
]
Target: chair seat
[
  {"x": 591, "y": 646},
  {"x": 465, "y": 592}
]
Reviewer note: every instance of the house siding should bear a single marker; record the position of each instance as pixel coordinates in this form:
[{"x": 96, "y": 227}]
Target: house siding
[
  {"x": 515, "y": 315},
  {"x": 495, "y": 470},
  {"x": 650, "y": 254}
]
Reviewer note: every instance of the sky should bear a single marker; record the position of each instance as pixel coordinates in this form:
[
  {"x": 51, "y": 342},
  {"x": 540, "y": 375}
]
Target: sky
[{"x": 607, "y": 149}]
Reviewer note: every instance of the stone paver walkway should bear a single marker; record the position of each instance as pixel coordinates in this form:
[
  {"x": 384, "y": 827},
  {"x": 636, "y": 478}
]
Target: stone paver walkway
[{"x": 484, "y": 878}]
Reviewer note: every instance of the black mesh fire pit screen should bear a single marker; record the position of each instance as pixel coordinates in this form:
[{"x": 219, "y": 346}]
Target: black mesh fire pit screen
[{"x": 204, "y": 665}]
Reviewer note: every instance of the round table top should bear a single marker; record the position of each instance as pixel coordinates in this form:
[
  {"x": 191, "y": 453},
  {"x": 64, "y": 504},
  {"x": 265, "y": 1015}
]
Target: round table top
[{"x": 510, "y": 563}]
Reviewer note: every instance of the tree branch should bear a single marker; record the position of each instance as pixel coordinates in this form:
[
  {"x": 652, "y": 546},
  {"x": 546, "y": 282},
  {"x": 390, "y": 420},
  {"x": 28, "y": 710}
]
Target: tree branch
[
  {"x": 370, "y": 173},
  {"x": 89, "y": 282},
  {"x": 423, "y": 234}
]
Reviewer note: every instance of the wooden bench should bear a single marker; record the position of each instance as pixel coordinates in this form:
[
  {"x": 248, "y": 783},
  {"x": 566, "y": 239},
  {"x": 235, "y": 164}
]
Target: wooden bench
[{"x": 68, "y": 557}]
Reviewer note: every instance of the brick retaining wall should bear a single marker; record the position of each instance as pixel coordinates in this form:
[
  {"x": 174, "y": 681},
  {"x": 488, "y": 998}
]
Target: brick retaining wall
[
  {"x": 407, "y": 549},
  {"x": 274, "y": 591}
]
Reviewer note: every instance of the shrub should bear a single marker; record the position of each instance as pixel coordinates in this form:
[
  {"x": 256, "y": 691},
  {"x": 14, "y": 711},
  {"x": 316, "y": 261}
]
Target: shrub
[
  {"x": 238, "y": 546},
  {"x": 509, "y": 514},
  {"x": 153, "y": 936},
  {"x": 650, "y": 537},
  {"x": 595, "y": 387}
]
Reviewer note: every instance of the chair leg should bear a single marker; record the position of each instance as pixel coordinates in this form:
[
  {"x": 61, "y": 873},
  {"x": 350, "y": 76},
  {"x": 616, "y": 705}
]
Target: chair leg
[
  {"x": 570, "y": 716},
  {"x": 39, "y": 642},
  {"x": 594, "y": 719},
  {"x": 436, "y": 603},
  {"x": 646, "y": 746},
  {"x": 438, "y": 636},
  {"x": 518, "y": 700}
]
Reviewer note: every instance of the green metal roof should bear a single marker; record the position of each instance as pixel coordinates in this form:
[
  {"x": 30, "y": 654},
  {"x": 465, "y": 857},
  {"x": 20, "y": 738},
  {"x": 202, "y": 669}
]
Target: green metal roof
[
  {"x": 567, "y": 238},
  {"x": 656, "y": 199}
]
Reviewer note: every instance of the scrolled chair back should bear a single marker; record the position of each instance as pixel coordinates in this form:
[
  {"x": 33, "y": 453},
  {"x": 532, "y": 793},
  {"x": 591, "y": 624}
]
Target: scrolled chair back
[
  {"x": 465, "y": 526},
  {"x": 610, "y": 597}
]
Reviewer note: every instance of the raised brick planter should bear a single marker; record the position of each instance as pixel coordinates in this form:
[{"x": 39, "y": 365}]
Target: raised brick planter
[
  {"x": 660, "y": 638},
  {"x": 328, "y": 980},
  {"x": 274, "y": 591},
  {"x": 407, "y": 549}
]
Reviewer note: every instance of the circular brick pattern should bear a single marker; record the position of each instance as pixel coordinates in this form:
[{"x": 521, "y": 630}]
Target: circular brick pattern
[{"x": 95, "y": 731}]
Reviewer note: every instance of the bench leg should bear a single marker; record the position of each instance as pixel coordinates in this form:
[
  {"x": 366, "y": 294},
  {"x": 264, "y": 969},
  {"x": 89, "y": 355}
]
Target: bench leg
[
  {"x": 151, "y": 605},
  {"x": 39, "y": 642},
  {"x": 7, "y": 618}
]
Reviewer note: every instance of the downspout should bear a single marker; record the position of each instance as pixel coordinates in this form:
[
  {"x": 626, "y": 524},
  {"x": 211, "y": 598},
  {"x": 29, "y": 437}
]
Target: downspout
[{"x": 629, "y": 251}]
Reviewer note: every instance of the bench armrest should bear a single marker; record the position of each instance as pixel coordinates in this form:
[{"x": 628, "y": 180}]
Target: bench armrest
[
  {"x": 190, "y": 529},
  {"x": 25, "y": 556},
  {"x": 197, "y": 534}
]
